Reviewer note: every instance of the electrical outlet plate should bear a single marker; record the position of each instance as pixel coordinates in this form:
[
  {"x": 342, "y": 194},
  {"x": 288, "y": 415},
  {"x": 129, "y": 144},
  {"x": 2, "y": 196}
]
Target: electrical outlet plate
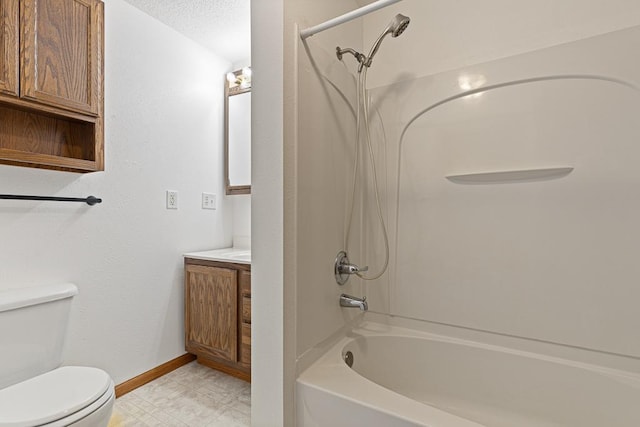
[
  {"x": 172, "y": 199},
  {"x": 208, "y": 201}
]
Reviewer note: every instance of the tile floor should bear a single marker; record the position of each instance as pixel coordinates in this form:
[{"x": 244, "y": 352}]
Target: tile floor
[{"x": 192, "y": 396}]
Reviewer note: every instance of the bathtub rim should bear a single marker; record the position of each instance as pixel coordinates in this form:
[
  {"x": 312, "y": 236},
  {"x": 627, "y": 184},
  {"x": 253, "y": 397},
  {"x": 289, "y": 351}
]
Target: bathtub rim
[
  {"x": 619, "y": 362},
  {"x": 328, "y": 373},
  {"x": 361, "y": 332}
]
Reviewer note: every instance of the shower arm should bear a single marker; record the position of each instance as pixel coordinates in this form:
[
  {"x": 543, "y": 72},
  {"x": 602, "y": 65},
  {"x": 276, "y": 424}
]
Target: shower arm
[{"x": 362, "y": 60}]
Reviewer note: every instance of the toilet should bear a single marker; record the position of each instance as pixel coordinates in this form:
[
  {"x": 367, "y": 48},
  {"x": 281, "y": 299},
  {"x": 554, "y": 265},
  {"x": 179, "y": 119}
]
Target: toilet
[{"x": 35, "y": 390}]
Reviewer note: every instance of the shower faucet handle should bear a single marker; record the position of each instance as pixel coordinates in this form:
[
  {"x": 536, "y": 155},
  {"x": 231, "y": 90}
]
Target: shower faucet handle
[
  {"x": 343, "y": 268},
  {"x": 351, "y": 269}
]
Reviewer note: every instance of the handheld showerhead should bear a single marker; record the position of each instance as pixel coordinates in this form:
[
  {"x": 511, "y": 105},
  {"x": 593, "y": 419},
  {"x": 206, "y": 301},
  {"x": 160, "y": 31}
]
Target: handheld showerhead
[{"x": 398, "y": 24}]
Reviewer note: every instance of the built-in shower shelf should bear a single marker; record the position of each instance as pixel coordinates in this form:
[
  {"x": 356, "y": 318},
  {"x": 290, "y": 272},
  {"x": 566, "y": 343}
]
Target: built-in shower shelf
[{"x": 500, "y": 177}]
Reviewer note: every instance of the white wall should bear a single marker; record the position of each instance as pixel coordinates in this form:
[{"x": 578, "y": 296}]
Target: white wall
[
  {"x": 269, "y": 389},
  {"x": 241, "y": 208},
  {"x": 163, "y": 131},
  {"x": 238, "y": 65}
]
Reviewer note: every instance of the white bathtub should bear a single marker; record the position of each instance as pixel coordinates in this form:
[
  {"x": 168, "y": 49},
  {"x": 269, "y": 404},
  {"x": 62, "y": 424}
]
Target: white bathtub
[{"x": 401, "y": 377}]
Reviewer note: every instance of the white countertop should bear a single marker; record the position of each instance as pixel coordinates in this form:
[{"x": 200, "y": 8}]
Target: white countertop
[{"x": 234, "y": 255}]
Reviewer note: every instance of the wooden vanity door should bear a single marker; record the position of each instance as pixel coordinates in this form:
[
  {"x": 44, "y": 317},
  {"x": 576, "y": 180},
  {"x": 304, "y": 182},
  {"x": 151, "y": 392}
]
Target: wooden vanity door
[
  {"x": 9, "y": 47},
  {"x": 211, "y": 298},
  {"x": 61, "y": 44}
]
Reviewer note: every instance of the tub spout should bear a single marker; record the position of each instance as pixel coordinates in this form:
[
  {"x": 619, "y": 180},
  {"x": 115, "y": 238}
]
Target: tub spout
[{"x": 354, "y": 302}]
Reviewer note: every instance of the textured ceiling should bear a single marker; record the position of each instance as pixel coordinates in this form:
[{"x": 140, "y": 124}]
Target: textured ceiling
[{"x": 223, "y": 26}]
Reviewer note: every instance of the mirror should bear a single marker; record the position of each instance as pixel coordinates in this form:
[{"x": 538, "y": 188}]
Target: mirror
[{"x": 237, "y": 141}]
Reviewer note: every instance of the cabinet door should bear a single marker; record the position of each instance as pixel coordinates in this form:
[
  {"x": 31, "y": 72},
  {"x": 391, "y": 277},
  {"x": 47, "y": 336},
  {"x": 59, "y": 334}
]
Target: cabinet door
[
  {"x": 61, "y": 61},
  {"x": 211, "y": 298},
  {"x": 9, "y": 47}
]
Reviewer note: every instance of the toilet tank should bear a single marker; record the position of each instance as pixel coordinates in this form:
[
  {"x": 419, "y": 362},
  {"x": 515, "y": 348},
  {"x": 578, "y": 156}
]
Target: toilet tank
[{"x": 33, "y": 325}]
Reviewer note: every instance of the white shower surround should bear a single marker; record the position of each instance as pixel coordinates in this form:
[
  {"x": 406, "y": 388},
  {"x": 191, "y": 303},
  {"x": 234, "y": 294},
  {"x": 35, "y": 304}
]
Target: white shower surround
[
  {"x": 549, "y": 260},
  {"x": 315, "y": 129},
  {"x": 590, "y": 87}
]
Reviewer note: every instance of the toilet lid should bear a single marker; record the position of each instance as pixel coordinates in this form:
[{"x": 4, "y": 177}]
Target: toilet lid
[{"x": 51, "y": 396}]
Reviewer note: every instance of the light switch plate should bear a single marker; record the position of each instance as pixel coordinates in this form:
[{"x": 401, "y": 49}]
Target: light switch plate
[{"x": 208, "y": 201}]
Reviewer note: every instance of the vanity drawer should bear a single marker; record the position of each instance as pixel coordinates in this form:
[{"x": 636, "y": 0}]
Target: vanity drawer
[
  {"x": 245, "y": 344},
  {"x": 246, "y": 309},
  {"x": 244, "y": 280}
]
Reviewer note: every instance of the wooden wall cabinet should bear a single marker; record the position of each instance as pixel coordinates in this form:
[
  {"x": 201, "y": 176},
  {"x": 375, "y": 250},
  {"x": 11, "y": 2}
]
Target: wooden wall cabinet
[
  {"x": 51, "y": 84},
  {"x": 218, "y": 315},
  {"x": 9, "y": 47}
]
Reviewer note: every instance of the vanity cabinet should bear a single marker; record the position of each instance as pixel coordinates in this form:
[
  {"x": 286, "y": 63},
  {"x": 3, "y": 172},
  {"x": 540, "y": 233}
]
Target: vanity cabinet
[
  {"x": 51, "y": 84},
  {"x": 218, "y": 315}
]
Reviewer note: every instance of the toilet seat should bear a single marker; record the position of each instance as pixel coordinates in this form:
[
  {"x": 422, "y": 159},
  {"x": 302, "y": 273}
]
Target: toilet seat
[{"x": 55, "y": 398}]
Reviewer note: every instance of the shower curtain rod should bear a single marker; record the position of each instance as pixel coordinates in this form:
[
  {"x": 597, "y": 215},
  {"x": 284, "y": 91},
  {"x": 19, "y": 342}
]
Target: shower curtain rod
[{"x": 308, "y": 32}]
